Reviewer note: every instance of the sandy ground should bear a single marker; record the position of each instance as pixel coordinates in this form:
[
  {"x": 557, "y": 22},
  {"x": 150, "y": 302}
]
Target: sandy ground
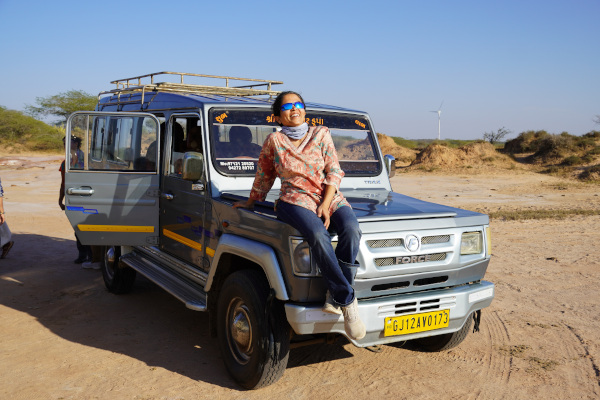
[{"x": 63, "y": 336}]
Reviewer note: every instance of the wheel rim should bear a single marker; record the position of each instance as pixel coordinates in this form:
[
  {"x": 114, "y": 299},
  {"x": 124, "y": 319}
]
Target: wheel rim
[
  {"x": 239, "y": 330},
  {"x": 109, "y": 262}
]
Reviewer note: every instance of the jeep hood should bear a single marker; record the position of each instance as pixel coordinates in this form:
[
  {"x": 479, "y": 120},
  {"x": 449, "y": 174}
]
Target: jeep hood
[{"x": 377, "y": 205}]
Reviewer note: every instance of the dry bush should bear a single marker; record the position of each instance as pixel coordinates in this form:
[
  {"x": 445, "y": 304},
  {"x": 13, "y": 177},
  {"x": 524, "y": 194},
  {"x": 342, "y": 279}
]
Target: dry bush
[{"x": 476, "y": 154}]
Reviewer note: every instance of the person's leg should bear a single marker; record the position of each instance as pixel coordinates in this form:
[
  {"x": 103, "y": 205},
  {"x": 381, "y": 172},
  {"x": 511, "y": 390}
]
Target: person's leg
[
  {"x": 319, "y": 240},
  {"x": 349, "y": 234},
  {"x": 84, "y": 254}
]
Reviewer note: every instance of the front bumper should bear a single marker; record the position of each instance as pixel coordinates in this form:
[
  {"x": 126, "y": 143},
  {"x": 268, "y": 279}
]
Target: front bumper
[{"x": 461, "y": 301}]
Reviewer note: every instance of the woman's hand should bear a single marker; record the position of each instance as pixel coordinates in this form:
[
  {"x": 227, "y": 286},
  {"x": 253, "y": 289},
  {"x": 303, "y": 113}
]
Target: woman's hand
[
  {"x": 323, "y": 213},
  {"x": 248, "y": 204}
]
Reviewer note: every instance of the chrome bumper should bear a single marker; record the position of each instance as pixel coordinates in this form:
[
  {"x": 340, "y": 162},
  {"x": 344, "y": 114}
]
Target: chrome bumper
[{"x": 461, "y": 301}]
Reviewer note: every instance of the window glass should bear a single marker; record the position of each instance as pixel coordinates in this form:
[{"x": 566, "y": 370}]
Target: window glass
[
  {"x": 186, "y": 136},
  {"x": 114, "y": 143},
  {"x": 237, "y": 137}
]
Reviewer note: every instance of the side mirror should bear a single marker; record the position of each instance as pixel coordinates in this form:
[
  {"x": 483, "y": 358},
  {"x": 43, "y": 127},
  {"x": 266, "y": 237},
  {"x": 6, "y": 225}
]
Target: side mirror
[
  {"x": 390, "y": 164},
  {"x": 193, "y": 166}
]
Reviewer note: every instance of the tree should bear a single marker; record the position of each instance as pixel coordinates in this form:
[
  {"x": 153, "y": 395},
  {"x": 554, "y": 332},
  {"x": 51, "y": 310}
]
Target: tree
[
  {"x": 497, "y": 136},
  {"x": 597, "y": 119},
  {"x": 62, "y": 105}
]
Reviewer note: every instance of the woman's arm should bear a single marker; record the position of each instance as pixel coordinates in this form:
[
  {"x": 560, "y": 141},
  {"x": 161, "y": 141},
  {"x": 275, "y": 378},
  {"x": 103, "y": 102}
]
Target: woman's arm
[
  {"x": 332, "y": 169},
  {"x": 323, "y": 208},
  {"x": 264, "y": 178}
]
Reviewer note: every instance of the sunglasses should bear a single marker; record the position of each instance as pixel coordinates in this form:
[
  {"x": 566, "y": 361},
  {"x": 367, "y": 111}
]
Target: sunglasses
[{"x": 288, "y": 106}]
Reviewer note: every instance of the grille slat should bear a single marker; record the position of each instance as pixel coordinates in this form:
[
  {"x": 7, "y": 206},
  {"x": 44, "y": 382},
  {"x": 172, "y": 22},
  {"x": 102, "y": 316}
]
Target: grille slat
[
  {"x": 378, "y": 244},
  {"x": 399, "y": 242},
  {"x": 387, "y": 261},
  {"x": 435, "y": 239}
]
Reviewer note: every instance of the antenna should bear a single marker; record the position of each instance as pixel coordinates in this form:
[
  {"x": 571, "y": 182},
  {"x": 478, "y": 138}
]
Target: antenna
[{"x": 439, "y": 113}]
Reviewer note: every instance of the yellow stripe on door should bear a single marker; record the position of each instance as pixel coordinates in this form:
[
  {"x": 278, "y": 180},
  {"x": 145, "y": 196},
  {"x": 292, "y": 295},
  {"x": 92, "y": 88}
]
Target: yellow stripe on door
[
  {"x": 182, "y": 239},
  {"x": 116, "y": 228},
  {"x": 187, "y": 242}
]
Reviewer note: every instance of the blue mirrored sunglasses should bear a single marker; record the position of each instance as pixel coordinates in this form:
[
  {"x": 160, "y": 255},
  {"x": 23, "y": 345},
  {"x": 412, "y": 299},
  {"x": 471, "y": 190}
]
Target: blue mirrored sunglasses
[{"x": 288, "y": 106}]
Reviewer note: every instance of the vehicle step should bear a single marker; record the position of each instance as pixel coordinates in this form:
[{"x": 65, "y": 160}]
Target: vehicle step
[{"x": 191, "y": 294}]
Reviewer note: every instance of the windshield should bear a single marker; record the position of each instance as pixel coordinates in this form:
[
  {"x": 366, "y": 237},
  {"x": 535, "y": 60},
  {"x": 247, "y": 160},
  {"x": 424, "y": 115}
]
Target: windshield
[{"x": 238, "y": 135}]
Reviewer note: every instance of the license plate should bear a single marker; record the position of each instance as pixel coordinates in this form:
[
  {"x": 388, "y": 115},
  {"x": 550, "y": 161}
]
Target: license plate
[{"x": 414, "y": 323}]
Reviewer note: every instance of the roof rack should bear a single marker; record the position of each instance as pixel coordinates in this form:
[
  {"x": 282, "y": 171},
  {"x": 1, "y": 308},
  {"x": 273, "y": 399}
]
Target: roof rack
[{"x": 136, "y": 85}]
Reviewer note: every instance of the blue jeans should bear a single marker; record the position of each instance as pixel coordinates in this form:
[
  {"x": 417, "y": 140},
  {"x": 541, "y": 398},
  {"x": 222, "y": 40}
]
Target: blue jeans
[{"x": 337, "y": 267}]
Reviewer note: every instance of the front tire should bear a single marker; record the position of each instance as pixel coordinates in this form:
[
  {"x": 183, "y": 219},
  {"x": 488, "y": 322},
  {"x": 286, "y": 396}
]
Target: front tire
[
  {"x": 117, "y": 280},
  {"x": 254, "y": 340},
  {"x": 444, "y": 342}
]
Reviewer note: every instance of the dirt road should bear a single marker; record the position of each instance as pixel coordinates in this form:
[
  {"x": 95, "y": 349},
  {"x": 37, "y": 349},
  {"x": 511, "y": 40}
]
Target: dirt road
[{"x": 63, "y": 336}]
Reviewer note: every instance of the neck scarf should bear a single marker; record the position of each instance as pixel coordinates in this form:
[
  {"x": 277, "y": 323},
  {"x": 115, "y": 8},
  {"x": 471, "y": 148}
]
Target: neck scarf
[{"x": 295, "y": 132}]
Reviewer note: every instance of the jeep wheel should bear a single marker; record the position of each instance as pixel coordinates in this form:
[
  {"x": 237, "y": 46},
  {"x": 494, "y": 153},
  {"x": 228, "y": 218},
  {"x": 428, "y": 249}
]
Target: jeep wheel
[
  {"x": 117, "y": 280},
  {"x": 444, "y": 342},
  {"x": 254, "y": 341}
]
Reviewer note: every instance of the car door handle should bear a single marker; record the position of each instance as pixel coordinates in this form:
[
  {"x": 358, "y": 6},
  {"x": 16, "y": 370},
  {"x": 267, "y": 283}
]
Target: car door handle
[
  {"x": 167, "y": 196},
  {"x": 83, "y": 191}
]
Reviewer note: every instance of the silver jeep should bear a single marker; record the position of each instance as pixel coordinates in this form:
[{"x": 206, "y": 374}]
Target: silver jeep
[{"x": 163, "y": 164}]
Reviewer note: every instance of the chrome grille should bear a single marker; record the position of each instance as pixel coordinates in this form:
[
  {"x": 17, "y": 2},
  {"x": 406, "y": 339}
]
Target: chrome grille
[
  {"x": 435, "y": 239},
  {"x": 385, "y": 261},
  {"x": 376, "y": 244}
]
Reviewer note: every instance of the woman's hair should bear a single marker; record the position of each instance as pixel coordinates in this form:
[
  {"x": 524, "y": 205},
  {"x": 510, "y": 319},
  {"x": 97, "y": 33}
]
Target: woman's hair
[{"x": 276, "y": 107}]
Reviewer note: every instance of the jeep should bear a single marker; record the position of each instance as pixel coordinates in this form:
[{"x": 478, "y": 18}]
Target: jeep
[{"x": 163, "y": 164}]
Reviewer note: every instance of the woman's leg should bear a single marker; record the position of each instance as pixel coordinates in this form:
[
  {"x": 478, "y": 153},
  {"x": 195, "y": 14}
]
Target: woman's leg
[
  {"x": 349, "y": 234},
  {"x": 319, "y": 240}
]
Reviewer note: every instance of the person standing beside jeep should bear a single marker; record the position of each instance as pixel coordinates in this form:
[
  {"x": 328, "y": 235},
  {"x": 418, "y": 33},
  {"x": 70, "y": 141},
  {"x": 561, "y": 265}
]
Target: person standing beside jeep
[
  {"x": 5, "y": 236},
  {"x": 76, "y": 162},
  {"x": 305, "y": 160}
]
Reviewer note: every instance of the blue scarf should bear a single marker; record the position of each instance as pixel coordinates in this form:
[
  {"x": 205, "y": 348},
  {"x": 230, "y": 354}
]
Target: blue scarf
[{"x": 295, "y": 132}]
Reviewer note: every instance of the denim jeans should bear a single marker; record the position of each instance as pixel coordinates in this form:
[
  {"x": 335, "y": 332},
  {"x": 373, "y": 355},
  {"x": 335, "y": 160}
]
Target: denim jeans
[{"x": 337, "y": 267}]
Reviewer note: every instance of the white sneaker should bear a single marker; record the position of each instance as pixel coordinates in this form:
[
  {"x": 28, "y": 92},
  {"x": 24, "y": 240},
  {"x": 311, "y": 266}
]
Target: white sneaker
[
  {"x": 352, "y": 323},
  {"x": 91, "y": 265},
  {"x": 329, "y": 306}
]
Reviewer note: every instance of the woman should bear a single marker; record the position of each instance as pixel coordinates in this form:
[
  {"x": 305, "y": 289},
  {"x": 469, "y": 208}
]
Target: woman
[
  {"x": 5, "y": 236},
  {"x": 306, "y": 162}
]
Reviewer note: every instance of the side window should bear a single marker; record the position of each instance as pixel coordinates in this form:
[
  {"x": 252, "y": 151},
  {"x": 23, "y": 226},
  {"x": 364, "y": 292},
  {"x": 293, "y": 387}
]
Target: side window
[
  {"x": 114, "y": 143},
  {"x": 186, "y": 135}
]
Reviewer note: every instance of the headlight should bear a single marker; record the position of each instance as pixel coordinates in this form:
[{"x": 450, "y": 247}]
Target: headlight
[
  {"x": 471, "y": 243},
  {"x": 301, "y": 259}
]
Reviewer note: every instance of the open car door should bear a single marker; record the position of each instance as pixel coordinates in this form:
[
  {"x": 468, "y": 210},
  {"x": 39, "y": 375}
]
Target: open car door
[{"x": 112, "y": 177}]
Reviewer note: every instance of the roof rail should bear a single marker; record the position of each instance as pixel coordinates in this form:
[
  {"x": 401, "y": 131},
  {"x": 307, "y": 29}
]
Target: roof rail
[{"x": 139, "y": 84}]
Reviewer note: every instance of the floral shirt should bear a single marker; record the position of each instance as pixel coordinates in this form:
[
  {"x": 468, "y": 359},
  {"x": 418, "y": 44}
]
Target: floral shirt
[{"x": 304, "y": 170}]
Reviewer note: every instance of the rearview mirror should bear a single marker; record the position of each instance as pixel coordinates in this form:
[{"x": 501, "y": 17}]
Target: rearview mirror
[{"x": 390, "y": 164}]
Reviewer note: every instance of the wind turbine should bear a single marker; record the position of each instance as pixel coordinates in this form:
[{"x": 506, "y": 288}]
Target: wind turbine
[{"x": 439, "y": 113}]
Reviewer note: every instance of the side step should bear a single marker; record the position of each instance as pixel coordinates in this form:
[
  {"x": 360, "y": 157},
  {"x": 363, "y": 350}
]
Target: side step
[{"x": 191, "y": 294}]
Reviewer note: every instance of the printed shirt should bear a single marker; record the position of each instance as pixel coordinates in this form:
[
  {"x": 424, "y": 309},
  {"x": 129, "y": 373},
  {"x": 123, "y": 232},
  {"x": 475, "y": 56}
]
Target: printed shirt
[{"x": 304, "y": 170}]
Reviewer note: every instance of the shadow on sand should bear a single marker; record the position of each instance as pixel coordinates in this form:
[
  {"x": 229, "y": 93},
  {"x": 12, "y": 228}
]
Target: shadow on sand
[{"x": 147, "y": 324}]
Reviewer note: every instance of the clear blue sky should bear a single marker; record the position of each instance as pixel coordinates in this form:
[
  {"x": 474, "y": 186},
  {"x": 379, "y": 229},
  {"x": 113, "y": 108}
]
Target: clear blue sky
[{"x": 516, "y": 64}]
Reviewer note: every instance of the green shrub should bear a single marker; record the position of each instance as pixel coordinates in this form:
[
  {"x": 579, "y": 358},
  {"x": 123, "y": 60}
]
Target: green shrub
[
  {"x": 411, "y": 144},
  {"x": 593, "y": 134},
  {"x": 28, "y": 133},
  {"x": 572, "y": 160},
  {"x": 594, "y": 151}
]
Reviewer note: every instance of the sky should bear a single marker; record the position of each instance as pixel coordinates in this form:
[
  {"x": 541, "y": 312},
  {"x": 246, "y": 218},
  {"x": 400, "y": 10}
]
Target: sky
[{"x": 519, "y": 65}]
